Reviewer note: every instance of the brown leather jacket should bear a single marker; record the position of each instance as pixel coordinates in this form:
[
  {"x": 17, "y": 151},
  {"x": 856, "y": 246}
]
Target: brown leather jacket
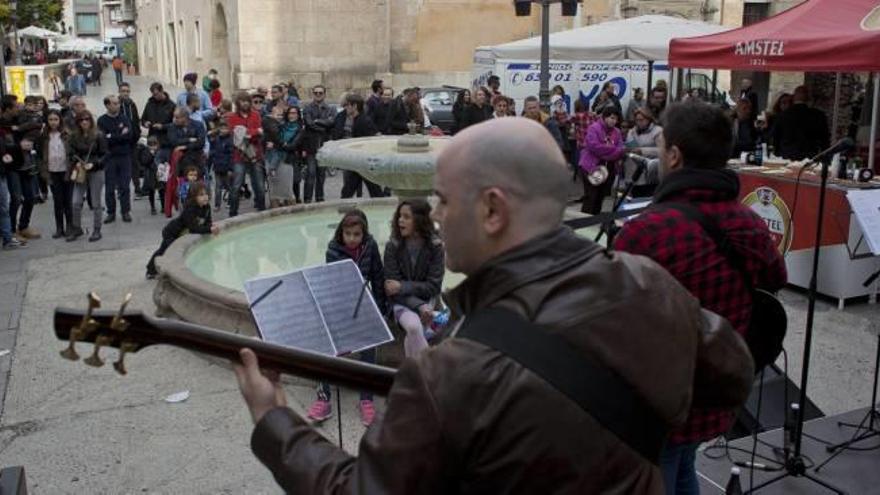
[{"x": 463, "y": 418}]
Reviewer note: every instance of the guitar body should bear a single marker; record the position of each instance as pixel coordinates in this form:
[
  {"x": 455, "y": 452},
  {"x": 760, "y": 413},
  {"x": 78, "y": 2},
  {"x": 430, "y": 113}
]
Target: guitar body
[{"x": 767, "y": 328}]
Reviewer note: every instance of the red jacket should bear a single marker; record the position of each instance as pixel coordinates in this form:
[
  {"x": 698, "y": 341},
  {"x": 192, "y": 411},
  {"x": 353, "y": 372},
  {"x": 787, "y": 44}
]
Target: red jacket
[
  {"x": 254, "y": 125},
  {"x": 691, "y": 256}
]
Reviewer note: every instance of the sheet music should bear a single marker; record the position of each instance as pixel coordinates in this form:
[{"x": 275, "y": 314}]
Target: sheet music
[
  {"x": 313, "y": 309},
  {"x": 865, "y": 204},
  {"x": 289, "y": 316}
]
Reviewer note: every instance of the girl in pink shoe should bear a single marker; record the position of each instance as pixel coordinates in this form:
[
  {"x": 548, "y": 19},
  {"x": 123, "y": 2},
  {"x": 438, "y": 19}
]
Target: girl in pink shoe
[{"x": 353, "y": 241}]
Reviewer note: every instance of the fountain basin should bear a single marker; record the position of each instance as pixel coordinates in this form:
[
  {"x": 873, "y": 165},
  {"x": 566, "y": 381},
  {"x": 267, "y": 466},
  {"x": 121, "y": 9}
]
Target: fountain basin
[
  {"x": 388, "y": 161},
  {"x": 201, "y": 277}
]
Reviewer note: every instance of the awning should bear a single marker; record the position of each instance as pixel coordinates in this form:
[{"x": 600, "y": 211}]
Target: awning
[
  {"x": 639, "y": 38},
  {"x": 37, "y": 32},
  {"x": 815, "y": 36},
  {"x": 79, "y": 45}
]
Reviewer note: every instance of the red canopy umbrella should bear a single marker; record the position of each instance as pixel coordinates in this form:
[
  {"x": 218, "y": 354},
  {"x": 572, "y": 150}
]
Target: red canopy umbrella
[{"x": 815, "y": 36}]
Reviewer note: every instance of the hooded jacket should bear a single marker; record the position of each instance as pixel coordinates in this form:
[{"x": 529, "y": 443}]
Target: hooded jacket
[{"x": 463, "y": 418}]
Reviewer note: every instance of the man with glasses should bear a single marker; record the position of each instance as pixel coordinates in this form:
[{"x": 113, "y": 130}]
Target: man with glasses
[
  {"x": 128, "y": 108},
  {"x": 117, "y": 129},
  {"x": 319, "y": 119}
]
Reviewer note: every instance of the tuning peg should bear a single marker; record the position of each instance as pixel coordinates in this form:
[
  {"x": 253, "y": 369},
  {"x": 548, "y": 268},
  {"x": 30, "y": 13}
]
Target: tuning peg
[
  {"x": 119, "y": 323},
  {"x": 119, "y": 365},
  {"x": 86, "y": 326},
  {"x": 95, "y": 359}
]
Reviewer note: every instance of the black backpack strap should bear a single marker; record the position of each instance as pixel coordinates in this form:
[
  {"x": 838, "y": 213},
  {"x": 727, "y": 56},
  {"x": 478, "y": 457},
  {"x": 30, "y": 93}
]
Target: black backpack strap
[
  {"x": 596, "y": 389},
  {"x": 711, "y": 227}
]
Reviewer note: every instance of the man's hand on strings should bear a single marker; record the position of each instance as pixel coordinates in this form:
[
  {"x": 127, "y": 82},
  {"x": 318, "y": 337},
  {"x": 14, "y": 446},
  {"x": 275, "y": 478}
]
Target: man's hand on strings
[{"x": 261, "y": 389}]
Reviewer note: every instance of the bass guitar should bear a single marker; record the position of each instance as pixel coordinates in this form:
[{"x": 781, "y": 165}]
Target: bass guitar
[{"x": 129, "y": 332}]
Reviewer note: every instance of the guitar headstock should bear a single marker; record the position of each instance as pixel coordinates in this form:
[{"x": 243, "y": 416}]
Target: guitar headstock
[{"x": 101, "y": 328}]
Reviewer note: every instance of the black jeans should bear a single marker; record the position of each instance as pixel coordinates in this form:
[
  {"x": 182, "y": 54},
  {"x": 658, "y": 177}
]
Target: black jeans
[
  {"x": 22, "y": 191},
  {"x": 314, "y": 180},
  {"x": 595, "y": 195},
  {"x": 62, "y": 199},
  {"x": 351, "y": 183},
  {"x": 166, "y": 243},
  {"x": 117, "y": 173}
]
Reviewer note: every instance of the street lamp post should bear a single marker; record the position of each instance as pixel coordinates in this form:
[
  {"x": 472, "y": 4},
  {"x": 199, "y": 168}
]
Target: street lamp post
[
  {"x": 13, "y": 8},
  {"x": 524, "y": 9}
]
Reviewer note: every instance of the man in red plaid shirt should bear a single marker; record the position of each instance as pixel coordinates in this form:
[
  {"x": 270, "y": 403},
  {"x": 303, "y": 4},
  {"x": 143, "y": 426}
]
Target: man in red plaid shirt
[{"x": 694, "y": 148}]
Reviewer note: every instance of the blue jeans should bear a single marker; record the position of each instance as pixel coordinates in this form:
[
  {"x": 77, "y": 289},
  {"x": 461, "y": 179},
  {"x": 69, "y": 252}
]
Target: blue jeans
[
  {"x": 679, "y": 473},
  {"x": 5, "y": 221},
  {"x": 117, "y": 177},
  {"x": 257, "y": 174},
  {"x": 367, "y": 356}
]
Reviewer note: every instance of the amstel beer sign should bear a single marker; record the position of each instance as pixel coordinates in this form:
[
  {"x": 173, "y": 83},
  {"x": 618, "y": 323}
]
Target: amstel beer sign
[{"x": 767, "y": 203}]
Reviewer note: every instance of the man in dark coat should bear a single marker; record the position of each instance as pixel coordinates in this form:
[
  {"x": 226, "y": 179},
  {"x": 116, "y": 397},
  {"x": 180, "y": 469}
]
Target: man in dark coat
[
  {"x": 463, "y": 417},
  {"x": 801, "y": 131},
  {"x": 118, "y": 131},
  {"x": 353, "y": 123},
  {"x": 129, "y": 108},
  {"x": 158, "y": 114}
]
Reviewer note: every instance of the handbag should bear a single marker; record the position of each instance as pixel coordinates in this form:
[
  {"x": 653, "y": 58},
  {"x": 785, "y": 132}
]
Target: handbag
[
  {"x": 769, "y": 322},
  {"x": 78, "y": 171}
]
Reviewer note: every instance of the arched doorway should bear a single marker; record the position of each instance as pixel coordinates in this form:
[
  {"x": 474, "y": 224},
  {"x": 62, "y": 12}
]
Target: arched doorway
[{"x": 220, "y": 50}]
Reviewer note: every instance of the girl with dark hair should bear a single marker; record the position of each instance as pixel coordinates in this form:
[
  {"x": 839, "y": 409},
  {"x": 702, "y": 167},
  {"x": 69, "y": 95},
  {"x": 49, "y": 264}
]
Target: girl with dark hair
[
  {"x": 194, "y": 219},
  {"x": 603, "y": 148},
  {"x": 55, "y": 166},
  {"x": 86, "y": 148},
  {"x": 414, "y": 272},
  {"x": 479, "y": 110},
  {"x": 353, "y": 241},
  {"x": 462, "y": 101}
]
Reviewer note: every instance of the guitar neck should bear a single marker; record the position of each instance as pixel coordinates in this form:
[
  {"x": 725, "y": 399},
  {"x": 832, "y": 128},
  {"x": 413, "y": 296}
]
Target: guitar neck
[{"x": 147, "y": 330}]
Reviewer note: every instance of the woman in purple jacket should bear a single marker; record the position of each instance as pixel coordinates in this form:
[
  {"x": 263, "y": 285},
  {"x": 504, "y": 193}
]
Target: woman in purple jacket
[{"x": 603, "y": 147}]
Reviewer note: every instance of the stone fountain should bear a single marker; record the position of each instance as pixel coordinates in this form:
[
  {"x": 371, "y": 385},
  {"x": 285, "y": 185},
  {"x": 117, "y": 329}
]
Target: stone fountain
[
  {"x": 403, "y": 163},
  {"x": 201, "y": 277}
]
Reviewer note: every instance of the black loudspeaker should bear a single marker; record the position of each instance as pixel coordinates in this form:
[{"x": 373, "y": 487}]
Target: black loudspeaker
[
  {"x": 523, "y": 7},
  {"x": 773, "y": 405},
  {"x": 569, "y": 8}
]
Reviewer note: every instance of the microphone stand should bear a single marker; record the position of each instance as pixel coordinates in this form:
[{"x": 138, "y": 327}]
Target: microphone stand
[
  {"x": 609, "y": 228},
  {"x": 795, "y": 464}
]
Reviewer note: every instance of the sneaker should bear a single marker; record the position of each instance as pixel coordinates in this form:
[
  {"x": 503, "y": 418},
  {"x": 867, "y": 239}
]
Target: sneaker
[
  {"x": 59, "y": 234},
  {"x": 110, "y": 219},
  {"x": 320, "y": 411},
  {"x": 152, "y": 211},
  {"x": 126, "y": 217},
  {"x": 368, "y": 412},
  {"x": 96, "y": 236},
  {"x": 152, "y": 275},
  {"x": 14, "y": 244}
]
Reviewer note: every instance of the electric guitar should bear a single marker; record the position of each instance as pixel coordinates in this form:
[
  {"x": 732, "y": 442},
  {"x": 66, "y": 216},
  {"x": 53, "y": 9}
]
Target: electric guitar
[{"x": 133, "y": 331}]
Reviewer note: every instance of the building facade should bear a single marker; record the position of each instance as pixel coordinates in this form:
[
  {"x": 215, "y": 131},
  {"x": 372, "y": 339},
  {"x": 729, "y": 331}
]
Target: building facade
[
  {"x": 341, "y": 43},
  {"x": 344, "y": 44}
]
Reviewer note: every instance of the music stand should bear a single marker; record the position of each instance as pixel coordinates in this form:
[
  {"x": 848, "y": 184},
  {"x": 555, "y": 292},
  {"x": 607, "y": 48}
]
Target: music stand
[
  {"x": 862, "y": 432},
  {"x": 325, "y": 309}
]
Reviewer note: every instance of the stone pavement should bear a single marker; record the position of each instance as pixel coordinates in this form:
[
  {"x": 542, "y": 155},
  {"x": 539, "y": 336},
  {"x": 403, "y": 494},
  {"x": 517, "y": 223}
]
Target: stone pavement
[{"x": 78, "y": 429}]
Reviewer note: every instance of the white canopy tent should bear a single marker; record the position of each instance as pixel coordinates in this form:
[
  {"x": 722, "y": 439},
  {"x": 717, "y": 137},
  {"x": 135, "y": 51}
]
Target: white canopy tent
[
  {"x": 639, "y": 38},
  {"x": 36, "y": 32},
  {"x": 81, "y": 45}
]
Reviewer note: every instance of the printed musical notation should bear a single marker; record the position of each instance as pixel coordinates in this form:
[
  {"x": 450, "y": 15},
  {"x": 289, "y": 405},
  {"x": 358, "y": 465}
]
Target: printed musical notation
[{"x": 313, "y": 309}]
